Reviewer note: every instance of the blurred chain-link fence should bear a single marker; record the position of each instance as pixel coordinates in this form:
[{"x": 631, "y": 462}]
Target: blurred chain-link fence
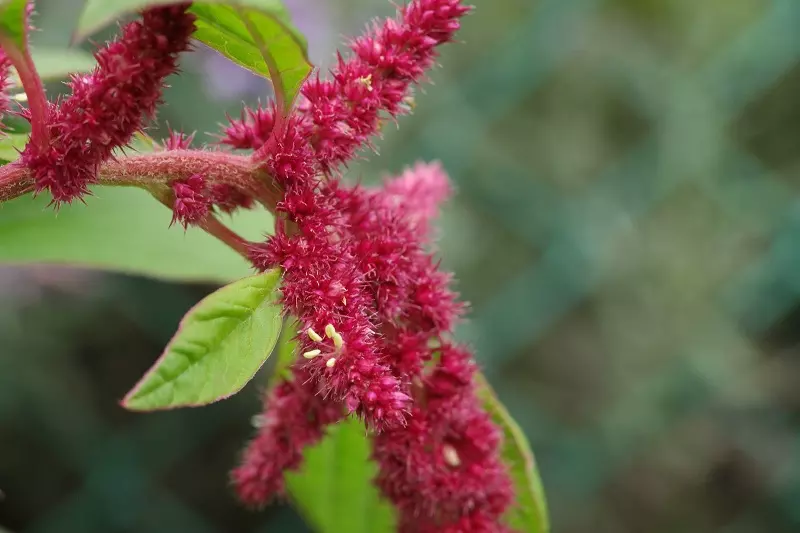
[{"x": 625, "y": 229}]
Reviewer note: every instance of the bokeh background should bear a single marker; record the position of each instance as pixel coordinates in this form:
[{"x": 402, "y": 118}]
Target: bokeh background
[{"x": 627, "y": 230}]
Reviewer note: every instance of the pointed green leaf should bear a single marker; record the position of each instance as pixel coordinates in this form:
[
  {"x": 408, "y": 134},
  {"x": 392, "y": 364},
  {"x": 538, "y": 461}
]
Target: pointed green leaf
[
  {"x": 334, "y": 491},
  {"x": 285, "y": 351},
  {"x": 256, "y": 34},
  {"x": 97, "y": 14},
  {"x": 13, "y": 21},
  {"x": 529, "y": 512},
  {"x": 261, "y": 40},
  {"x": 219, "y": 346}
]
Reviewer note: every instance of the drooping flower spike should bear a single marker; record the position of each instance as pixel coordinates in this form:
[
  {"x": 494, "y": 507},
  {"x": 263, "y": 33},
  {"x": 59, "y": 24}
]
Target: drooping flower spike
[
  {"x": 375, "y": 313},
  {"x": 441, "y": 466},
  {"x": 107, "y": 106},
  {"x": 355, "y": 267}
]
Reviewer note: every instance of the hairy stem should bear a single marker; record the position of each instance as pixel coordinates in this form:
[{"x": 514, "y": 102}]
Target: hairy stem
[
  {"x": 15, "y": 180},
  {"x": 160, "y": 168},
  {"x": 155, "y": 171},
  {"x": 164, "y": 167}
]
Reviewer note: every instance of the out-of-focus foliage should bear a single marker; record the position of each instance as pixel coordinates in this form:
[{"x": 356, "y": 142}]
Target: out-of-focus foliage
[{"x": 626, "y": 229}]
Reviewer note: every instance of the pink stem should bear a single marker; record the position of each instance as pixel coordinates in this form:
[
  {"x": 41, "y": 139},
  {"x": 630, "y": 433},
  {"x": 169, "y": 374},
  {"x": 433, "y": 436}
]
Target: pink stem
[
  {"x": 158, "y": 168},
  {"x": 213, "y": 226},
  {"x": 34, "y": 90}
]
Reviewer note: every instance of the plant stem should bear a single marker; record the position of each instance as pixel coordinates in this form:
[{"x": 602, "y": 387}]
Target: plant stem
[
  {"x": 155, "y": 171},
  {"x": 147, "y": 170},
  {"x": 169, "y": 165},
  {"x": 213, "y": 226},
  {"x": 34, "y": 90},
  {"x": 15, "y": 180},
  {"x": 210, "y": 224}
]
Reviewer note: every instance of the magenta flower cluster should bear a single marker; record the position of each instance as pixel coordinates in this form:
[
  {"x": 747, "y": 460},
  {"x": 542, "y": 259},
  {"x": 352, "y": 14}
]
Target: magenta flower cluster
[
  {"x": 374, "y": 311},
  {"x": 5, "y": 83},
  {"x": 107, "y": 106}
]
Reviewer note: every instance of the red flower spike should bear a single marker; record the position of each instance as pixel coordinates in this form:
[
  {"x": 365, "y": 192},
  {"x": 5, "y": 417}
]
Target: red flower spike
[
  {"x": 252, "y": 130},
  {"x": 106, "y": 106},
  {"x": 417, "y": 193},
  {"x": 344, "y": 112},
  {"x": 477, "y": 522},
  {"x": 294, "y": 417},
  {"x": 177, "y": 140},
  {"x": 290, "y": 160},
  {"x": 191, "y": 203},
  {"x": 370, "y": 296},
  {"x": 228, "y": 198},
  {"x": 444, "y": 469},
  {"x": 5, "y": 83}
]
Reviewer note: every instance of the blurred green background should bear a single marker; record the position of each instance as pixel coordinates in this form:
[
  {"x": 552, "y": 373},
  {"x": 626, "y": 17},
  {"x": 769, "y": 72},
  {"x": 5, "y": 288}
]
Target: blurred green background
[{"x": 625, "y": 229}]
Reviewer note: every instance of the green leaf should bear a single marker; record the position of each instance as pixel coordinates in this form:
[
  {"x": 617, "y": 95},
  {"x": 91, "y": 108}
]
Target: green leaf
[
  {"x": 122, "y": 230},
  {"x": 10, "y": 143},
  {"x": 285, "y": 351},
  {"x": 261, "y": 40},
  {"x": 13, "y": 21},
  {"x": 333, "y": 490},
  {"x": 220, "y": 345},
  {"x": 57, "y": 63},
  {"x": 252, "y": 33},
  {"x": 529, "y": 513}
]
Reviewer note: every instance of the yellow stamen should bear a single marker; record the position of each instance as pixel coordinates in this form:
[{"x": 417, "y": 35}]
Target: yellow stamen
[
  {"x": 451, "y": 456},
  {"x": 330, "y": 331},
  {"x": 311, "y": 354},
  {"x": 338, "y": 341},
  {"x": 330, "y": 362},
  {"x": 313, "y": 335},
  {"x": 366, "y": 81}
]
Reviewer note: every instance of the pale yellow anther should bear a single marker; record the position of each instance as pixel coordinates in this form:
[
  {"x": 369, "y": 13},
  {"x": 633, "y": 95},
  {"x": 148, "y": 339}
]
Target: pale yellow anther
[
  {"x": 451, "y": 456},
  {"x": 330, "y": 331},
  {"x": 366, "y": 81},
  {"x": 338, "y": 341},
  {"x": 330, "y": 362},
  {"x": 344, "y": 300},
  {"x": 311, "y": 354},
  {"x": 313, "y": 335}
]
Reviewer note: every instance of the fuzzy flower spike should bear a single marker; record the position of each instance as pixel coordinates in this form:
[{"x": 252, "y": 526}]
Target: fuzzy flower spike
[
  {"x": 375, "y": 313},
  {"x": 373, "y": 307},
  {"x": 5, "y": 83},
  {"x": 107, "y": 106}
]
